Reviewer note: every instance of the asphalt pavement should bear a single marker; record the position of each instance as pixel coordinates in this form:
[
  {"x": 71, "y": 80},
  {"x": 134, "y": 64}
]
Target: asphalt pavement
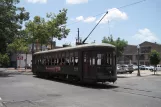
[{"x": 22, "y": 90}]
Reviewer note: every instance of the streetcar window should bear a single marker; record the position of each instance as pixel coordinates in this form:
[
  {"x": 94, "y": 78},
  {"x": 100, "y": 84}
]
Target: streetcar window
[
  {"x": 67, "y": 58},
  {"x": 114, "y": 61},
  {"x": 59, "y": 61},
  {"x": 103, "y": 59},
  {"x": 76, "y": 61},
  {"x": 93, "y": 61},
  {"x": 55, "y": 62},
  {"x": 48, "y": 61},
  {"x": 76, "y": 58},
  {"x": 85, "y": 57},
  {"x": 98, "y": 59},
  {"x": 71, "y": 58},
  {"x": 63, "y": 61},
  {"x": 52, "y": 60},
  {"x": 109, "y": 59}
]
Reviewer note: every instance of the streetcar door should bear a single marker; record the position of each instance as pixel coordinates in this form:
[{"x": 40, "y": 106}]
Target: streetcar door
[{"x": 89, "y": 68}]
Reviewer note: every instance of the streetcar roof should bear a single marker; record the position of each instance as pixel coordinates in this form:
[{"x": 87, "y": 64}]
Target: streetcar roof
[{"x": 77, "y": 47}]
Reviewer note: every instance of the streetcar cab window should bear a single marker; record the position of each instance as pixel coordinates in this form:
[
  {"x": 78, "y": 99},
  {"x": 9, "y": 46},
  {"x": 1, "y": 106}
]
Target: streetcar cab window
[
  {"x": 109, "y": 58},
  {"x": 114, "y": 59},
  {"x": 101, "y": 59},
  {"x": 104, "y": 59}
]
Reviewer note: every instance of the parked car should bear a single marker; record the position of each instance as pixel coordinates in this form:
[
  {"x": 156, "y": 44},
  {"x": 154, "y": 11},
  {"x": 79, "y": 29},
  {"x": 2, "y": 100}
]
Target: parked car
[
  {"x": 143, "y": 67},
  {"x": 158, "y": 67},
  {"x": 151, "y": 68},
  {"x": 135, "y": 67},
  {"x": 120, "y": 70},
  {"x": 125, "y": 68}
]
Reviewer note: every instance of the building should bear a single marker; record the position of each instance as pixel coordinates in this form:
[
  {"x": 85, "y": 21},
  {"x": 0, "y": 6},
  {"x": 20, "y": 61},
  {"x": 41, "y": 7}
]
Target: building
[
  {"x": 130, "y": 54},
  {"x": 19, "y": 60}
]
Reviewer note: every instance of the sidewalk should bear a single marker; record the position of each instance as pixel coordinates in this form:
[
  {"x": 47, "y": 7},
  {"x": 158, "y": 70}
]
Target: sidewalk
[
  {"x": 8, "y": 71},
  {"x": 142, "y": 73},
  {"x": 19, "y": 69}
]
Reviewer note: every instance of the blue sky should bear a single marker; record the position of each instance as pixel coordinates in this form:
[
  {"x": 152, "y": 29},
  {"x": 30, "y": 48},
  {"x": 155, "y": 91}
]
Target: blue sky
[{"x": 136, "y": 23}]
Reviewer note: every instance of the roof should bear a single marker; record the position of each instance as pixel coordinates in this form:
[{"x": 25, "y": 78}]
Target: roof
[
  {"x": 150, "y": 43},
  {"x": 78, "y": 47},
  {"x": 130, "y": 49}
]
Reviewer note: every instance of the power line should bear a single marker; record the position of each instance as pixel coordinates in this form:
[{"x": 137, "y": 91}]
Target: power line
[{"x": 109, "y": 10}]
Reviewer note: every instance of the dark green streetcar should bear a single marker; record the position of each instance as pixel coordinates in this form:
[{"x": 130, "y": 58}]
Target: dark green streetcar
[{"x": 84, "y": 63}]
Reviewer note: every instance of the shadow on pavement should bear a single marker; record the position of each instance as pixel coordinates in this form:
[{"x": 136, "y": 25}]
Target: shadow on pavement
[
  {"x": 80, "y": 84},
  {"x": 156, "y": 74},
  {"x": 4, "y": 74}
]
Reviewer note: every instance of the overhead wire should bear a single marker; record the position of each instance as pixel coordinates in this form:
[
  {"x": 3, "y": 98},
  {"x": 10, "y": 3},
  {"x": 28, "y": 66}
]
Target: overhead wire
[{"x": 108, "y": 11}]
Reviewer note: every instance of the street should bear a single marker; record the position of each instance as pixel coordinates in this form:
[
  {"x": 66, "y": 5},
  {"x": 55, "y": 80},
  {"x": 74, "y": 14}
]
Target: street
[{"x": 26, "y": 90}]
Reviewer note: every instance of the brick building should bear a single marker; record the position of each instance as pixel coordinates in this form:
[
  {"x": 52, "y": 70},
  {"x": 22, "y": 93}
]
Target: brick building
[{"x": 130, "y": 54}]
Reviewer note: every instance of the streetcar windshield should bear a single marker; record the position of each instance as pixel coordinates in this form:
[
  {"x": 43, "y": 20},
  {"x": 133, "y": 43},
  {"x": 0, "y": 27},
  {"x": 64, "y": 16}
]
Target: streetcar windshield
[{"x": 105, "y": 59}]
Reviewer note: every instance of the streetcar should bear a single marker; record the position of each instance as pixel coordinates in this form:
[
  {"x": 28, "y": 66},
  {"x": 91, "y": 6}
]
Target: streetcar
[{"x": 84, "y": 63}]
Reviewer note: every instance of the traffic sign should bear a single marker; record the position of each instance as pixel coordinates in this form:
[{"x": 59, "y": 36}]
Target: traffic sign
[{"x": 19, "y": 57}]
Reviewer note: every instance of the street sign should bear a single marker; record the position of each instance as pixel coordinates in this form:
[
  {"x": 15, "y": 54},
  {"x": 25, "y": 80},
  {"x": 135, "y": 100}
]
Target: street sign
[{"x": 19, "y": 57}]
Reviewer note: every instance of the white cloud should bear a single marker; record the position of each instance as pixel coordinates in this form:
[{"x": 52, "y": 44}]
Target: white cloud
[
  {"x": 89, "y": 19},
  {"x": 114, "y": 14},
  {"x": 37, "y": 1},
  {"x": 145, "y": 35},
  {"x": 86, "y": 20},
  {"x": 80, "y": 18},
  {"x": 76, "y": 1}
]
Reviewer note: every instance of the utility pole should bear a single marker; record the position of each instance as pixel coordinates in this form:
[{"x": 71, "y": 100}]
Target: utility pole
[
  {"x": 78, "y": 36},
  {"x": 32, "y": 48},
  {"x": 109, "y": 27}
]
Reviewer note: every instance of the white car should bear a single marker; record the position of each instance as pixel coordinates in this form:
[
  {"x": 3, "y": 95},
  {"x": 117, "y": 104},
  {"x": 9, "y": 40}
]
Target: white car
[
  {"x": 158, "y": 67},
  {"x": 135, "y": 67},
  {"x": 125, "y": 68}
]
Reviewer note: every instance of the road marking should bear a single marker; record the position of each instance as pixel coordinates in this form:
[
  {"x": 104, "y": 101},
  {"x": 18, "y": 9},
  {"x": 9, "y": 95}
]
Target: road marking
[{"x": 0, "y": 98}]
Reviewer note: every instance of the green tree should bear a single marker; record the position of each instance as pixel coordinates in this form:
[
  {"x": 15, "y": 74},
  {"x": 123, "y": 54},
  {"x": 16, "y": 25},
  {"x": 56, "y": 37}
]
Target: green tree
[
  {"x": 154, "y": 58},
  {"x": 4, "y": 60},
  {"x": 56, "y": 25},
  {"x": 43, "y": 32},
  {"x": 37, "y": 31},
  {"x": 119, "y": 43},
  {"x": 18, "y": 46},
  {"x": 11, "y": 20}
]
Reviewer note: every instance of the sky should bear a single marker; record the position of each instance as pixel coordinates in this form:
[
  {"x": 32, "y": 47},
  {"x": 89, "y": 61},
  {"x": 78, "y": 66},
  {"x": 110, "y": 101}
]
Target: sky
[{"x": 135, "y": 23}]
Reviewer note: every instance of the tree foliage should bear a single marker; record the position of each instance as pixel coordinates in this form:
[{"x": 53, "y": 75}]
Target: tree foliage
[
  {"x": 11, "y": 19},
  {"x": 154, "y": 58},
  {"x": 4, "y": 60},
  {"x": 56, "y": 24},
  {"x": 119, "y": 43},
  {"x": 19, "y": 45},
  {"x": 37, "y": 30},
  {"x": 42, "y": 31}
]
